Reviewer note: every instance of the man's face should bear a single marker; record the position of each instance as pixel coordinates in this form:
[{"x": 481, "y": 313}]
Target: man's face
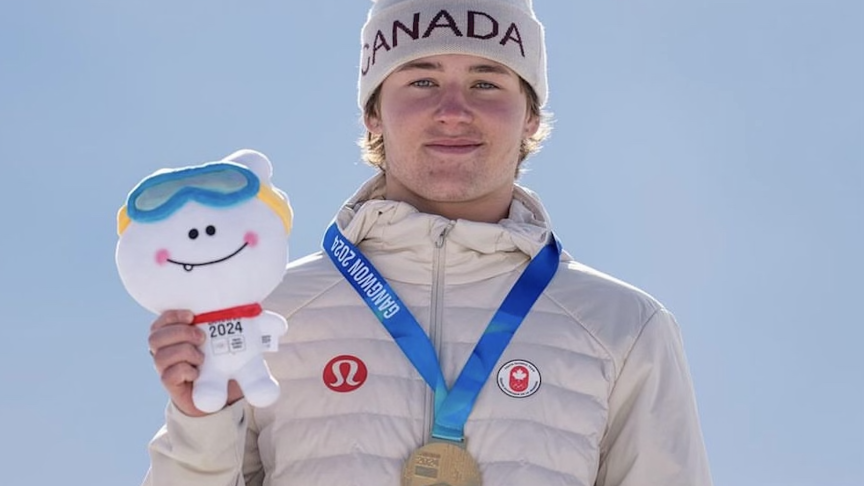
[{"x": 452, "y": 127}]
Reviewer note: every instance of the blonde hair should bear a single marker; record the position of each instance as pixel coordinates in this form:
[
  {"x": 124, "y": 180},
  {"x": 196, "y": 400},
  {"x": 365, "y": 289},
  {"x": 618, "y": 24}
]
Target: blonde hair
[{"x": 372, "y": 145}]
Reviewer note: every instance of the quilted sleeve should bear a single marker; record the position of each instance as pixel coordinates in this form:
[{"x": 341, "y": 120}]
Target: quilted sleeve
[
  {"x": 216, "y": 450},
  {"x": 653, "y": 435}
]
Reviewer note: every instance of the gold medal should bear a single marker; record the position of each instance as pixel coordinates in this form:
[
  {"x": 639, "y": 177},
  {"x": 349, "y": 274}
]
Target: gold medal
[{"x": 441, "y": 463}]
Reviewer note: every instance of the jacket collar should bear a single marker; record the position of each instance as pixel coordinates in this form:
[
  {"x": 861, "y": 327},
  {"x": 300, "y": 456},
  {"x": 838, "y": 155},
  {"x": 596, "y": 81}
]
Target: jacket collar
[{"x": 403, "y": 242}]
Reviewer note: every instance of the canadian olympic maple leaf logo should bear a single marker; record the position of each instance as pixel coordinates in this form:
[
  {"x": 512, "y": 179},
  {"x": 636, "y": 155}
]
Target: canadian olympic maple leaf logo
[{"x": 519, "y": 379}]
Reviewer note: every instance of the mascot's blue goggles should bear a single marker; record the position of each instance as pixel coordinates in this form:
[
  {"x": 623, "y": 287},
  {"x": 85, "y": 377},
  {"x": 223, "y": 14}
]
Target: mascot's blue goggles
[{"x": 218, "y": 184}]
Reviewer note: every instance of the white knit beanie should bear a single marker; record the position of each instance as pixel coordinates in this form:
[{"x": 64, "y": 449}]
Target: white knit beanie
[{"x": 399, "y": 31}]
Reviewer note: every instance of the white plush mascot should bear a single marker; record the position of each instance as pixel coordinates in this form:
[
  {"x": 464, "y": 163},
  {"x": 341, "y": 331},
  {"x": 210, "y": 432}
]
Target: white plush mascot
[{"x": 213, "y": 239}]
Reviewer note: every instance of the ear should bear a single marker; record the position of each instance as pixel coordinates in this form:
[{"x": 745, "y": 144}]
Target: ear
[
  {"x": 531, "y": 125},
  {"x": 255, "y": 161},
  {"x": 373, "y": 124}
]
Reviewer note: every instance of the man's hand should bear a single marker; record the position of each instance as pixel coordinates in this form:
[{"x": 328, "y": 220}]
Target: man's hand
[{"x": 174, "y": 345}]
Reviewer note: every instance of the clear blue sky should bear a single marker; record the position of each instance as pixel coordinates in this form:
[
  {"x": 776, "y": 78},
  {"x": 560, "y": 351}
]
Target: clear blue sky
[{"x": 710, "y": 152}]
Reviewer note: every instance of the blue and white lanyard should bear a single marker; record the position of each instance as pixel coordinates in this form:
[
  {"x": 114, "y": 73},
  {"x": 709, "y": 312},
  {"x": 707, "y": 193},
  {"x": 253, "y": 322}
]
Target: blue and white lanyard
[{"x": 453, "y": 406}]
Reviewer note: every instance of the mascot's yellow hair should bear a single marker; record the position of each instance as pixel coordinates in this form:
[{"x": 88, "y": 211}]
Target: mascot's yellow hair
[{"x": 277, "y": 202}]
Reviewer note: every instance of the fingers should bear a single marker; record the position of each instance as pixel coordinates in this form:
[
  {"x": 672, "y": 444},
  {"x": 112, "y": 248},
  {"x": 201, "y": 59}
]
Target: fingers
[
  {"x": 171, "y": 328},
  {"x": 174, "y": 345},
  {"x": 178, "y": 377},
  {"x": 177, "y": 381},
  {"x": 172, "y": 317},
  {"x": 180, "y": 353},
  {"x": 174, "y": 341}
]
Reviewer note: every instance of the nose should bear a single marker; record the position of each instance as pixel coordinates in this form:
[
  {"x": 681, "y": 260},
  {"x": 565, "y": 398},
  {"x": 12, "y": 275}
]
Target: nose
[{"x": 453, "y": 106}]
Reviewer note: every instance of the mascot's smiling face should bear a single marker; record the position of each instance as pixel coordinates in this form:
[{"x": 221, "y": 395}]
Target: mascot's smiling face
[{"x": 204, "y": 238}]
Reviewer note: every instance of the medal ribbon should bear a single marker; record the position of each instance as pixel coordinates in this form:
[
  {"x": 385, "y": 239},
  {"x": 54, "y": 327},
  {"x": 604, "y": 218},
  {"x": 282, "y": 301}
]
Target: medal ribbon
[{"x": 452, "y": 407}]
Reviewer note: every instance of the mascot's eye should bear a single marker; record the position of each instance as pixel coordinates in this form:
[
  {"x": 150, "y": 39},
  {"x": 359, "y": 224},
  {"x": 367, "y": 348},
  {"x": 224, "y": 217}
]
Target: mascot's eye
[
  {"x": 193, "y": 233},
  {"x": 211, "y": 230}
]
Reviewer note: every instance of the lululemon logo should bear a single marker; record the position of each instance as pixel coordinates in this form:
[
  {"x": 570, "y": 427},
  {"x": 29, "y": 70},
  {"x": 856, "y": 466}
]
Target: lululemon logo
[
  {"x": 345, "y": 373},
  {"x": 519, "y": 379}
]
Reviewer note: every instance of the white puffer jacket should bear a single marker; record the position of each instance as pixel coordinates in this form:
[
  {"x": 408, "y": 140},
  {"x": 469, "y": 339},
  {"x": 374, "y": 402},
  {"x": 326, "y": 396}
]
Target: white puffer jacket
[{"x": 607, "y": 399}]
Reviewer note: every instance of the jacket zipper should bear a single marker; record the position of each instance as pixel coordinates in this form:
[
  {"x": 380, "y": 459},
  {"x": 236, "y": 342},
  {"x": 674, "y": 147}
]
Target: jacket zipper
[{"x": 436, "y": 315}]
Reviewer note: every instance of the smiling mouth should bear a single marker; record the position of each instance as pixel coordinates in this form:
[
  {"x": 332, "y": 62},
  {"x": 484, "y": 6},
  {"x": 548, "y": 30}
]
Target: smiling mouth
[
  {"x": 453, "y": 146},
  {"x": 189, "y": 266}
]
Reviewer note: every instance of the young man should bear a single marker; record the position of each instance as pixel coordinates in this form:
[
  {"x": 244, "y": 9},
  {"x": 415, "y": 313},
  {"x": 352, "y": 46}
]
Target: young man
[{"x": 457, "y": 344}]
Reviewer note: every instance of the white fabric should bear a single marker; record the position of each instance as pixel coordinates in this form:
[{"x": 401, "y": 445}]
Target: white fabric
[
  {"x": 399, "y": 31},
  {"x": 615, "y": 406}
]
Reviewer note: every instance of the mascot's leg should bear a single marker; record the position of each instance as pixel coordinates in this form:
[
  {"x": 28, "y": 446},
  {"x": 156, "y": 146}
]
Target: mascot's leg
[
  {"x": 210, "y": 390},
  {"x": 259, "y": 387}
]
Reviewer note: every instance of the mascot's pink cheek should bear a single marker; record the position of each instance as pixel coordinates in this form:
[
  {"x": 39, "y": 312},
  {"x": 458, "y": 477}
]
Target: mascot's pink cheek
[
  {"x": 251, "y": 238},
  {"x": 162, "y": 257}
]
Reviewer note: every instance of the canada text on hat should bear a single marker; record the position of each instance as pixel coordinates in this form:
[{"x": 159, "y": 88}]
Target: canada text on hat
[{"x": 400, "y": 31}]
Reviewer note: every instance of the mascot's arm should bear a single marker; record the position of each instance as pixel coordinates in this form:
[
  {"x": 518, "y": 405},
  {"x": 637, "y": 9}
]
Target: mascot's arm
[
  {"x": 218, "y": 449},
  {"x": 273, "y": 325}
]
